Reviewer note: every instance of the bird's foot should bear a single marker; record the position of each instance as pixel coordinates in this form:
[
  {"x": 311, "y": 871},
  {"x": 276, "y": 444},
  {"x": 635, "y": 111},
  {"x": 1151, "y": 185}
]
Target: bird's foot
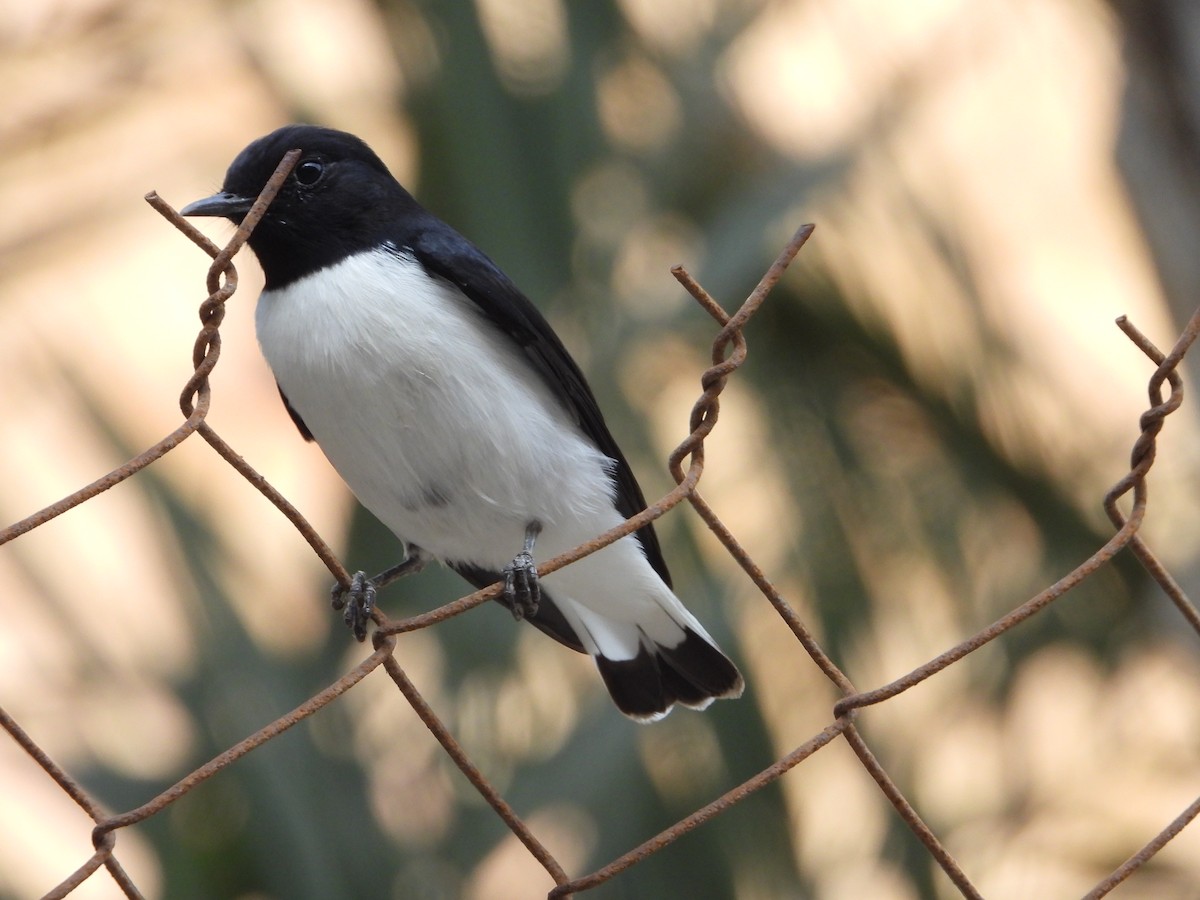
[
  {"x": 521, "y": 588},
  {"x": 358, "y": 600}
]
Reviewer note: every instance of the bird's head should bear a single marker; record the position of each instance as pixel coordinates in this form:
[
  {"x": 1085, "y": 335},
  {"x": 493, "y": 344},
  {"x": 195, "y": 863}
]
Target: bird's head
[{"x": 338, "y": 199}]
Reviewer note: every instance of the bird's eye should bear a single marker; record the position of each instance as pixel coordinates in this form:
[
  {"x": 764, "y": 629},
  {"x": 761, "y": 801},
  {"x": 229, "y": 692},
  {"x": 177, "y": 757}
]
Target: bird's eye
[{"x": 309, "y": 172}]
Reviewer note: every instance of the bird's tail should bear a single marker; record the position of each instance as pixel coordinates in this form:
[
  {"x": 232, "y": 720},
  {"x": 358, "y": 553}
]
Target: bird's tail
[
  {"x": 652, "y": 653},
  {"x": 692, "y": 672}
]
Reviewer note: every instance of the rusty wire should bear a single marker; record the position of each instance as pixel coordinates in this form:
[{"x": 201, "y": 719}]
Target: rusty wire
[{"x": 728, "y": 354}]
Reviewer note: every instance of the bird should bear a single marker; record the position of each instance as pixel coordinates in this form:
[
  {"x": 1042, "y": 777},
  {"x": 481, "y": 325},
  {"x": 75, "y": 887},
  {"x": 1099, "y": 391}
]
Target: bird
[{"x": 453, "y": 412}]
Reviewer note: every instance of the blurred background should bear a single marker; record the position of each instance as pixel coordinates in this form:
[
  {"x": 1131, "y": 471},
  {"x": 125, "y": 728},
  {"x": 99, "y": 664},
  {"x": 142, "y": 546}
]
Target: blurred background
[{"x": 936, "y": 400}]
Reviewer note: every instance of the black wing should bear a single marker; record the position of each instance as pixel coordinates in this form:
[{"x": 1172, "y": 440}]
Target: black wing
[
  {"x": 445, "y": 253},
  {"x": 291, "y": 411},
  {"x": 547, "y": 617}
]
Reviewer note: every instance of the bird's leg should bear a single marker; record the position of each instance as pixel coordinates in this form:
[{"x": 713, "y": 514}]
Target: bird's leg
[
  {"x": 521, "y": 577},
  {"x": 359, "y": 598},
  {"x": 413, "y": 563}
]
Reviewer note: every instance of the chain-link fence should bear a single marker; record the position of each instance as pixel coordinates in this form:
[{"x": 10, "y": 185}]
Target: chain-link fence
[{"x": 686, "y": 465}]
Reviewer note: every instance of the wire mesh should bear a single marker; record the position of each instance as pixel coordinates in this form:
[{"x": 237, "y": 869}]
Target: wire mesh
[{"x": 686, "y": 464}]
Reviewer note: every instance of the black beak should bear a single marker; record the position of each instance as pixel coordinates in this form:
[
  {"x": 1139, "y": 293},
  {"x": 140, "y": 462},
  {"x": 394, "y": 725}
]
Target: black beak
[{"x": 225, "y": 204}]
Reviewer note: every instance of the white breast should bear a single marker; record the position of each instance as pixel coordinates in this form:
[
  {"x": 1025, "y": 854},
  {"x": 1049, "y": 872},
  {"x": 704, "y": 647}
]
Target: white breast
[{"x": 432, "y": 416}]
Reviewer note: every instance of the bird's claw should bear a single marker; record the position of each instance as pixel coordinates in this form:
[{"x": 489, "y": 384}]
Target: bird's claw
[
  {"x": 521, "y": 586},
  {"x": 358, "y": 601}
]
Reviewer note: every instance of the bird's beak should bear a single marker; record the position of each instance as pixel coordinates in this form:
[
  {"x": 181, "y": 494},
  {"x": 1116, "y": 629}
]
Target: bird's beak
[{"x": 230, "y": 206}]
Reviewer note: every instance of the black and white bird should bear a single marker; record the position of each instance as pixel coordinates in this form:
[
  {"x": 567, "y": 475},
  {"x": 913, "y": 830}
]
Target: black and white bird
[{"x": 456, "y": 416}]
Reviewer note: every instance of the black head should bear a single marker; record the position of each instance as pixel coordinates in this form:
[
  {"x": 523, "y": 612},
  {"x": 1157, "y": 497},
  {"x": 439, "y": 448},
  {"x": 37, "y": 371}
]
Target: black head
[{"x": 340, "y": 199}]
